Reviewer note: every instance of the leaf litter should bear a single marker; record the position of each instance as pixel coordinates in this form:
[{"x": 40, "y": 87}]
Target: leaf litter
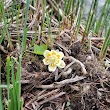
[{"x": 84, "y": 84}]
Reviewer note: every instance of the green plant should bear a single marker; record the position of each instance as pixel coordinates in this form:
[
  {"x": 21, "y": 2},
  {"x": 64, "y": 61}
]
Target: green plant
[
  {"x": 100, "y": 21},
  {"x": 39, "y": 50},
  {"x": 105, "y": 45},
  {"x": 77, "y": 22},
  {"x": 0, "y": 87},
  {"x": 13, "y": 84},
  {"x": 25, "y": 28},
  {"x": 105, "y": 19},
  {"x": 90, "y": 19},
  {"x": 79, "y": 16},
  {"x": 43, "y": 13},
  {"x": 2, "y": 36},
  {"x": 68, "y": 6},
  {"x": 73, "y": 11},
  {"x": 6, "y": 33}
]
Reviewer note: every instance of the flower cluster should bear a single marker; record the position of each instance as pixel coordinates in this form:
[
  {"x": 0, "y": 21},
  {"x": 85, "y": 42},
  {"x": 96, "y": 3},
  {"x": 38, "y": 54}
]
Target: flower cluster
[{"x": 53, "y": 58}]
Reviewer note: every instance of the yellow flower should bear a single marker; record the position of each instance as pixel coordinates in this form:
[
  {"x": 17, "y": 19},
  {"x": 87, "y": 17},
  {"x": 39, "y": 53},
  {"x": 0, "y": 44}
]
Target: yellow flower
[{"x": 53, "y": 58}]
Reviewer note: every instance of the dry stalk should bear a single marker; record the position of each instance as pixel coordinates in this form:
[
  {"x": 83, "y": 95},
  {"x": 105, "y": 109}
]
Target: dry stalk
[
  {"x": 67, "y": 70},
  {"x": 37, "y": 98},
  {"x": 63, "y": 47},
  {"x": 61, "y": 83},
  {"x": 77, "y": 61},
  {"x": 54, "y": 5},
  {"x": 30, "y": 6},
  {"x": 52, "y": 97},
  {"x": 9, "y": 20},
  {"x": 8, "y": 3}
]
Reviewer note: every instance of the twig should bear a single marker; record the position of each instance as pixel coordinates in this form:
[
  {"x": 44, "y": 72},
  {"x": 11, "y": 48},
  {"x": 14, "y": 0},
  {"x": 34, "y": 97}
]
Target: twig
[
  {"x": 62, "y": 47},
  {"x": 30, "y": 6},
  {"x": 54, "y": 5},
  {"x": 61, "y": 83},
  {"x": 67, "y": 81},
  {"x": 2, "y": 49},
  {"x": 9, "y": 20},
  {"x": 63, "y": 106},
  {"x": 8, "y": 3},
  {"x": 41, "y": 97},
  {"x": 52, "y": 97},
  {"x": 77, "y": 61},
  {"x": 65, "y": 71}
]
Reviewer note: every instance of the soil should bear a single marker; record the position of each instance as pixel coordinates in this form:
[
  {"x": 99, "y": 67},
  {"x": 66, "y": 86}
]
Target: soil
[
  {"x": 84, "y": 84},
  {"x": 41, "y": 91},
  {"x": 89, "y": 93}
]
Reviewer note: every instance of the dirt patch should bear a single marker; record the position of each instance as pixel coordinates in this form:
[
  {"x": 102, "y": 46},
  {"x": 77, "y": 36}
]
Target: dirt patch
[
  {"x": 74, "y": 89},
  {"x": 40, "y": 90}
]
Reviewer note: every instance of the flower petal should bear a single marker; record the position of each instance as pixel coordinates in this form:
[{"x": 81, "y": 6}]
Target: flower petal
[
  {"x": 45, "y": 62},
  {"x": 51, "y": 68},
  {"x": 53, "y": 52},
  {"x": 57, "y": 50},
  {"x": 60, "y": 55},
  {"x": 47, "y": 53},
  {"x": 58, "y": 63},
  {"x": 62, "y": 64}
]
